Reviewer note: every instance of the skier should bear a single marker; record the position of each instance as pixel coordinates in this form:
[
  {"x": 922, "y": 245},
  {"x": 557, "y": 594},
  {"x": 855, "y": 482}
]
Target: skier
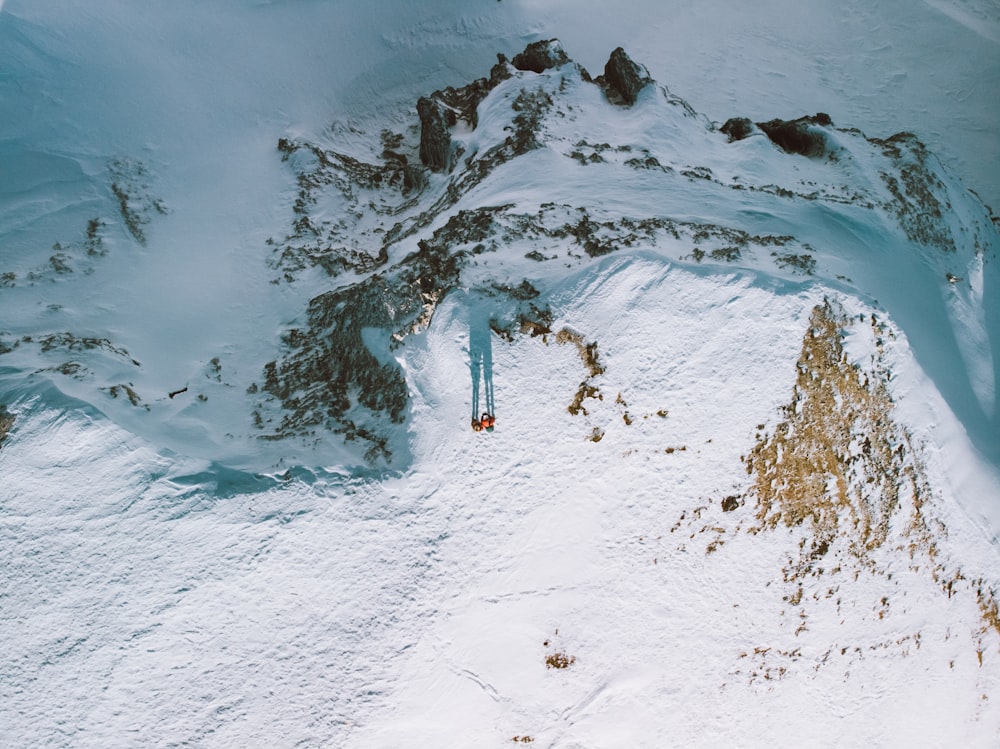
[{"x": 481, "y": 367}]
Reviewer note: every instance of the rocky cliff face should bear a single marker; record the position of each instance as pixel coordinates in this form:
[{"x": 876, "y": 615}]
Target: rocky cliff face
[{"x": 435, "y": 141}]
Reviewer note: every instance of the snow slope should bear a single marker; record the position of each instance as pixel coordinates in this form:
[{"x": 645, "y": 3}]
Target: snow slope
[{"x": 744, "y": 484}]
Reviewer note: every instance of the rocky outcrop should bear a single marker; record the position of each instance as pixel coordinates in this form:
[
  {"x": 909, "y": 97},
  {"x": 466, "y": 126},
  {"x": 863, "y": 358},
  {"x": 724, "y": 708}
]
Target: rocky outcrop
[
  {"x": 501, "y": 71},
  {"x": 331, "y": 377},
  {"x": 435, "y": 140},
  {"x": 737, "y": 128},
  {"x": 444, "y": 108},
  {"x": 915, "y": 189},
  {"x": 803, "y": 136},
  {"x": 624, "y": 78},
  {"x": 463, "y": 102},
  {"x": 540, "y": 56}
]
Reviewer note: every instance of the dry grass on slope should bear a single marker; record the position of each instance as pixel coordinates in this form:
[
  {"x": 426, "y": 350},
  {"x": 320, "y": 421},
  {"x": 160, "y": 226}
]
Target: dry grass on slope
[{"x": 837, "y": 459}]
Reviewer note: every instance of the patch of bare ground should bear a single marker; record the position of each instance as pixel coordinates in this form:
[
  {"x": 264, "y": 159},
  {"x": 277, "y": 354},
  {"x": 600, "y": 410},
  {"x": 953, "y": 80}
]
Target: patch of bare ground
[
  {"x": 839, "y": 465},
  {"x": 589, "y": 357},
  {"x": 559, "y": 660},
  {"x": 989, "y": 608},
  {"x": 557, "y": 657},
  {"x": 837, "y": 462},
  {"x": 847, "y": 477},
  {"x": 989, "y": 611}
]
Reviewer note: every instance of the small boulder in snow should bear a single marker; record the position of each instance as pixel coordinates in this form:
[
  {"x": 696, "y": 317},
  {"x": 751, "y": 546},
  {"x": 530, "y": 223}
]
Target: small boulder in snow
[
  {"x": 737, "y": 128},
  {"x": 540, "y": 56},
  {"x": 803, "y": 136}
]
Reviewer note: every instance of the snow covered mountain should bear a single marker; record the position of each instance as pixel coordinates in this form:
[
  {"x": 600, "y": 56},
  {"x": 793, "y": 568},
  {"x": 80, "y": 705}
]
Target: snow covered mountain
[{"x": 743, "y": 487}]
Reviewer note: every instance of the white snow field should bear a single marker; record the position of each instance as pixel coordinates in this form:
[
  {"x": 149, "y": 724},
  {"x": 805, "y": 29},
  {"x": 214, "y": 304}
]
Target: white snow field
[{"x": 744, "y": 487}]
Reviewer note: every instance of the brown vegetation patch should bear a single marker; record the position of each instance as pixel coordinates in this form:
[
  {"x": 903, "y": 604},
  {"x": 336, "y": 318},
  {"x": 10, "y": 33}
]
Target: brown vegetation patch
[
  {"x": 838, "y": 459},
  {"x": 589, "y": 357},
  {"x": 626, "y": 416},
  {"x": 535, "y": 328},
  {"x": 559, "y": 660},
  {"x": 587, "y": 351},
  {"x": 584, "y": 391},
  {"x": 989, "y": 608},
  {"x": 840, "y": 467}
]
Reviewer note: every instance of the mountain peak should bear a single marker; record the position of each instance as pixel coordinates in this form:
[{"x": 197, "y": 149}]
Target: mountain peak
[
  {"x": 624, "y": 78},
  {"x": 540, "y": 56}
]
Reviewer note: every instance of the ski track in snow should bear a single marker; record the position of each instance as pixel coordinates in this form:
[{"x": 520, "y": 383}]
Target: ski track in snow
[{"x": 149, "y": 598}]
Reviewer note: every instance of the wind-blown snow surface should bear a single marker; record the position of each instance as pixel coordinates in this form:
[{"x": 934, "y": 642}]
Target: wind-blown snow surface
[{"x": 157, "y": 592}]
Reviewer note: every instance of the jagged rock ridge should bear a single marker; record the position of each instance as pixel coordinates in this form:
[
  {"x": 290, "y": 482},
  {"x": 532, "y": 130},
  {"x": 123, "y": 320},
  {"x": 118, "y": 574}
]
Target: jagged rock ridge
[
  {"x": 390, "y": 205},
  {"x": 364, "y": 204}
]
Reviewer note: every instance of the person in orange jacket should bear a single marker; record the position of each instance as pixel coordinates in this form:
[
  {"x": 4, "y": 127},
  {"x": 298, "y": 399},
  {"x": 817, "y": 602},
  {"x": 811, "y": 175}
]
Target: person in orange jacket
[{"x": 488, "y": 422}]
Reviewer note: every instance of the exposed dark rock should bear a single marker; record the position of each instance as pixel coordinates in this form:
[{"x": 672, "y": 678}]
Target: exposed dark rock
[
  {"x": 501, "y": 71},
  {"x": 803, "y": 263},
  {"x": 71, "y": 342},
  {"x": 915, "y": 189},
  {"x": 462, "y": 102},
  {"x": 130, "y": 187},
  {"x": 442, "y": 110},
  {"x": 531, "y": 107},
  {"x": 329, "y": 369},
  {"x": 737, "y": 128},
  {"x": 802, "y": 136},
  {"x": 540, "y": 56},
  {"x": 6, "y": 423},
  {"x": 435, "y": 141},
  {"x": 624, "y": 77},
  {"x": 94, "y": 243},
  {"x": 129, "y": 392},
  {"x": 339, "y": 245}
]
